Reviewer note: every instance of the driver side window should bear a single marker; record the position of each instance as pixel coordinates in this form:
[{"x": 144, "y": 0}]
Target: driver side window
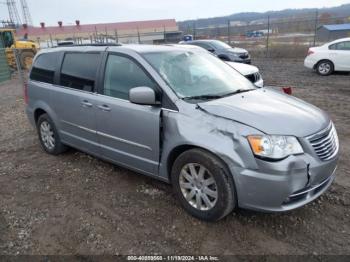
[{"x": 123, "y": 74}]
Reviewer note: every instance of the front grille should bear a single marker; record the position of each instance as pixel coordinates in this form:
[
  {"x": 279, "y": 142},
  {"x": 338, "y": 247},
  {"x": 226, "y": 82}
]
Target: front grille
[
  {"x": 253, "y": 77},
  {"x": 326, "y": 143},
  {"x": 244, "y": 56}
]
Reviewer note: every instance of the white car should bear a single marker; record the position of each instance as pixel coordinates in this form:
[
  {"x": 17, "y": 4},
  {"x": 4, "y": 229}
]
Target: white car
[
  {"x": 249, "y": 71},
  {"x": 330, "y": 57}
]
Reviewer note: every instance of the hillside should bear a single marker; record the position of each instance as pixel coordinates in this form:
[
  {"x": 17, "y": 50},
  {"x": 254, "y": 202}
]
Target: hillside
[{"x": 339, "y": 11}]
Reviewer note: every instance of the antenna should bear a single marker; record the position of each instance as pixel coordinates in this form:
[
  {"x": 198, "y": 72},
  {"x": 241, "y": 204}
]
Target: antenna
[
  {"x": 26, "y": 14},
  {"x": 13, "y": 12}
]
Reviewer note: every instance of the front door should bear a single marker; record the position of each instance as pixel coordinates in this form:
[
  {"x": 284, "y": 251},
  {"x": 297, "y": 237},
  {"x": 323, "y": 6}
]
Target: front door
[
  {"x": 128, "y": 133},
  {"x": 343, "y": 51}
]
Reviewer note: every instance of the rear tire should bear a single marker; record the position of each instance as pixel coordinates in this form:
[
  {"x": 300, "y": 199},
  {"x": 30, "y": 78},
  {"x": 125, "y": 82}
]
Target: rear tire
[
  {"x": 203, "y": 185},
  {"x": 324, "y": 68},
  {"x": 48, "y": 136}
]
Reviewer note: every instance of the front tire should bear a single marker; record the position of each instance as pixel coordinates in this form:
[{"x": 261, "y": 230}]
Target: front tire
[
  {"x": 203, "y": 185},
  {"x": 325, "y": 68},
  {"x": 48, "y": 136}
]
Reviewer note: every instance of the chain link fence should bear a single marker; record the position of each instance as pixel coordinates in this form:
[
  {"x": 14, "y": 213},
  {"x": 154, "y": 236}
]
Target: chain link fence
[
  {"x": 5, "y": 72},
  {"x": 104, "y": 37},
  {"x": 272, "y": 37},
  {"x": 11, "y": 67}
]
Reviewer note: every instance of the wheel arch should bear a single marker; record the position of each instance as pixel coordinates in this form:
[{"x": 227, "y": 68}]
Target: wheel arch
[
  {"x": 37, "y": 113},
  {"x": 324, "y": 59},
  {"x": 178, "y": 150}
]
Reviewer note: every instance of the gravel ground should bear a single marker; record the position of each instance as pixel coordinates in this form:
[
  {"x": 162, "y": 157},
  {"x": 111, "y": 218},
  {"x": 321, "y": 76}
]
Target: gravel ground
[{"x": 76, "y": 204}]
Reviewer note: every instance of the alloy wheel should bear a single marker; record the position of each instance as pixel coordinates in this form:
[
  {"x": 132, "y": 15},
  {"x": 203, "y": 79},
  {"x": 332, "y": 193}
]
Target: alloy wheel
[
  {"x": 47, "y": 135},
  {"x": 324, "y": 68},
  {"x": 198, "y": 186}
]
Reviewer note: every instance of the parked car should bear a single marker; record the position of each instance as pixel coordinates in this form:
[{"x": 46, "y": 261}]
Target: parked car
[
  {"x": 251, "y": 72},
  {"x": 330, "y": 57},
  {"x": 221, "y": 142},
  {"x": 222, "y": 50}
]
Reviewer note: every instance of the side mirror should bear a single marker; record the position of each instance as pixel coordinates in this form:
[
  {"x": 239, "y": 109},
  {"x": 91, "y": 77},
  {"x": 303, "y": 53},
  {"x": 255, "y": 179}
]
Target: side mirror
[
  {"x": 142, "y": 95},
  {"x": 211, "y": 50}
]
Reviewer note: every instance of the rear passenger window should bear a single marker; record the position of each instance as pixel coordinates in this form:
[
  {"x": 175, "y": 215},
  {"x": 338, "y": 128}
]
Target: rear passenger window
[
  {"x": 43, "y": 69},
  {"x": 79, "y": 71},
  {"x": 121, "y": 75}
]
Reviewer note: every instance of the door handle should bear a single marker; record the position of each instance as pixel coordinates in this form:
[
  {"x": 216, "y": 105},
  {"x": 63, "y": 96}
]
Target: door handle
[
  {"x": 104, "y": 108},
  {"x": 86, "y": 103}
]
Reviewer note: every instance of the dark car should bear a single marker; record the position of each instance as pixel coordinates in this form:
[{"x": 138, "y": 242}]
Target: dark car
[{"x": 223, "y": 50}]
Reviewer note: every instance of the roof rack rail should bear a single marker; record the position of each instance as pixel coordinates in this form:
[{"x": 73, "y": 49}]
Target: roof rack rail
[{"x": 68, "y": 44}]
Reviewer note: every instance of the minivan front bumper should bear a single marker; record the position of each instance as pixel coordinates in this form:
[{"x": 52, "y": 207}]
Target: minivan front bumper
[{"x": 284, "y": 185}]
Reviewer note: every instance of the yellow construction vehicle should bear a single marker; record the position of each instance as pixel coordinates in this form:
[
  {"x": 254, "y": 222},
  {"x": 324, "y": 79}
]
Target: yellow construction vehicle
[{"x": 26, "y": 48}]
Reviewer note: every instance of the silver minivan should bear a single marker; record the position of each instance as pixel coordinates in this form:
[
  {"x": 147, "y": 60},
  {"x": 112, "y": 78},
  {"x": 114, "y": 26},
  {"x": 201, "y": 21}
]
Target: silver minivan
[{"x": 185, "y": 117}]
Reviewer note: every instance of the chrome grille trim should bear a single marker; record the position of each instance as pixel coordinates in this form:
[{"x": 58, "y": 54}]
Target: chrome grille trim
[
  {"x": 255, "y": 77},
  {"x": 325, "y": 143}
]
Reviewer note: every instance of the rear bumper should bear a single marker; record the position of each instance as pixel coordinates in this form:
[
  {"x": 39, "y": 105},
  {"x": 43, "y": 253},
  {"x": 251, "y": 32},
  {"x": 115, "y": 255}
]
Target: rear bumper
[
  {"x": 284, "y": 185},
  {"x": 309, "y": 63}
]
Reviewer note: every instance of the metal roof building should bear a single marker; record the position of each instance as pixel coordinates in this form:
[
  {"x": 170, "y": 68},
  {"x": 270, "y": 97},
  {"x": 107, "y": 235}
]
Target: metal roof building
[
  {"x": 126, "y": 32},
  {"x": 333, "y": 32}
]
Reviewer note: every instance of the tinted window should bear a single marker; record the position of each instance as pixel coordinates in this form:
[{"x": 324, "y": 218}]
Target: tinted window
[
  {"x": 44, "y": 68},
  {"x": 79, "y": 71},
  {"x": 341, "y": 46},
  {"x": 121, "y": 75},
  {"x": 203, "y": 45}
]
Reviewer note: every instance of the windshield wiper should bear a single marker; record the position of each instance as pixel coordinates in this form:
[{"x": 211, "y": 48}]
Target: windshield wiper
[
  {"x": 202, "y": 97},
  {"x": 239, "y": 91},
  {"x": 208, "y": 97}
]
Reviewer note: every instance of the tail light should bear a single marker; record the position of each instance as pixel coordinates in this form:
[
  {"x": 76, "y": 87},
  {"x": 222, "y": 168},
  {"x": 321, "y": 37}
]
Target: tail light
[
  {"x": 287, "y": 90},
  {"x": 26, "y": 99},
  {"x": 310, "y": 52}
]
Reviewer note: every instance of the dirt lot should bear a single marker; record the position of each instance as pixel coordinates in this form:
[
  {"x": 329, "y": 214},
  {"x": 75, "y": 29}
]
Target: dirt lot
[{"x": 76, "y": 204}]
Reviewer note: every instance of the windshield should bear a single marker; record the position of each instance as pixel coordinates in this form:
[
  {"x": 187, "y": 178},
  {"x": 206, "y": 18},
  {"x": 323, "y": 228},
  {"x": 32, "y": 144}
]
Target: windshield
[
  {"x": 220, "y": 45},
  {"x": 194, "y": 74}
]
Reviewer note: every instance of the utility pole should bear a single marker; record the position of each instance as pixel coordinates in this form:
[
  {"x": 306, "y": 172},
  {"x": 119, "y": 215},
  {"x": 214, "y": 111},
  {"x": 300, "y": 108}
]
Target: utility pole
[{"x": 316, "y": 23}]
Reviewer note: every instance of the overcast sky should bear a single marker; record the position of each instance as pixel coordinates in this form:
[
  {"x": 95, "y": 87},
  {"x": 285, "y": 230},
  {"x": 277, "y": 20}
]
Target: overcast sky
[{"x": 99, "y": 11}]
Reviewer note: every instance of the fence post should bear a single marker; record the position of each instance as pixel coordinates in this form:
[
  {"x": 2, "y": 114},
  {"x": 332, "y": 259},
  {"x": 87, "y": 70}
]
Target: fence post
[
  {"x": 316, "y": 22},
  {"x": 268, "y": 36},
  {"x": 138, "y": 35},
  {"x": 19, "y": 67},
  {"x": 164, "y": 32},
  {"x": 229, "y": 32},
  {"x": 194, "y": 31},
  {"x": 116, "y": 36},
  {"x": 51, "y": 40}
]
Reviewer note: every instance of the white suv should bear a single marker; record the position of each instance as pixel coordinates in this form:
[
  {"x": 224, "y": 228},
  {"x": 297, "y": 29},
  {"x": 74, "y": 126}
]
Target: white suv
[{"x": 330, "y": 57}]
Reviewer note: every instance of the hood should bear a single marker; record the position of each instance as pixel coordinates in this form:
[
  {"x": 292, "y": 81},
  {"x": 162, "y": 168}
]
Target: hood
[
  {"x": 271, "y": 112},
  {"x": 244, "y": 69}
]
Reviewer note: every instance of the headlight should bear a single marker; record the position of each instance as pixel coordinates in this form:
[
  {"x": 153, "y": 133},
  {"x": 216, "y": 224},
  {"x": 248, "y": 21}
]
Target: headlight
[{"x": 274, "y": 147}]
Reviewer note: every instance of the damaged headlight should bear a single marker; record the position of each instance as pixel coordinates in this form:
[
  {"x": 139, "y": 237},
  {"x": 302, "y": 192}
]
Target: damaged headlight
[{"x": 274, "y": 147}]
